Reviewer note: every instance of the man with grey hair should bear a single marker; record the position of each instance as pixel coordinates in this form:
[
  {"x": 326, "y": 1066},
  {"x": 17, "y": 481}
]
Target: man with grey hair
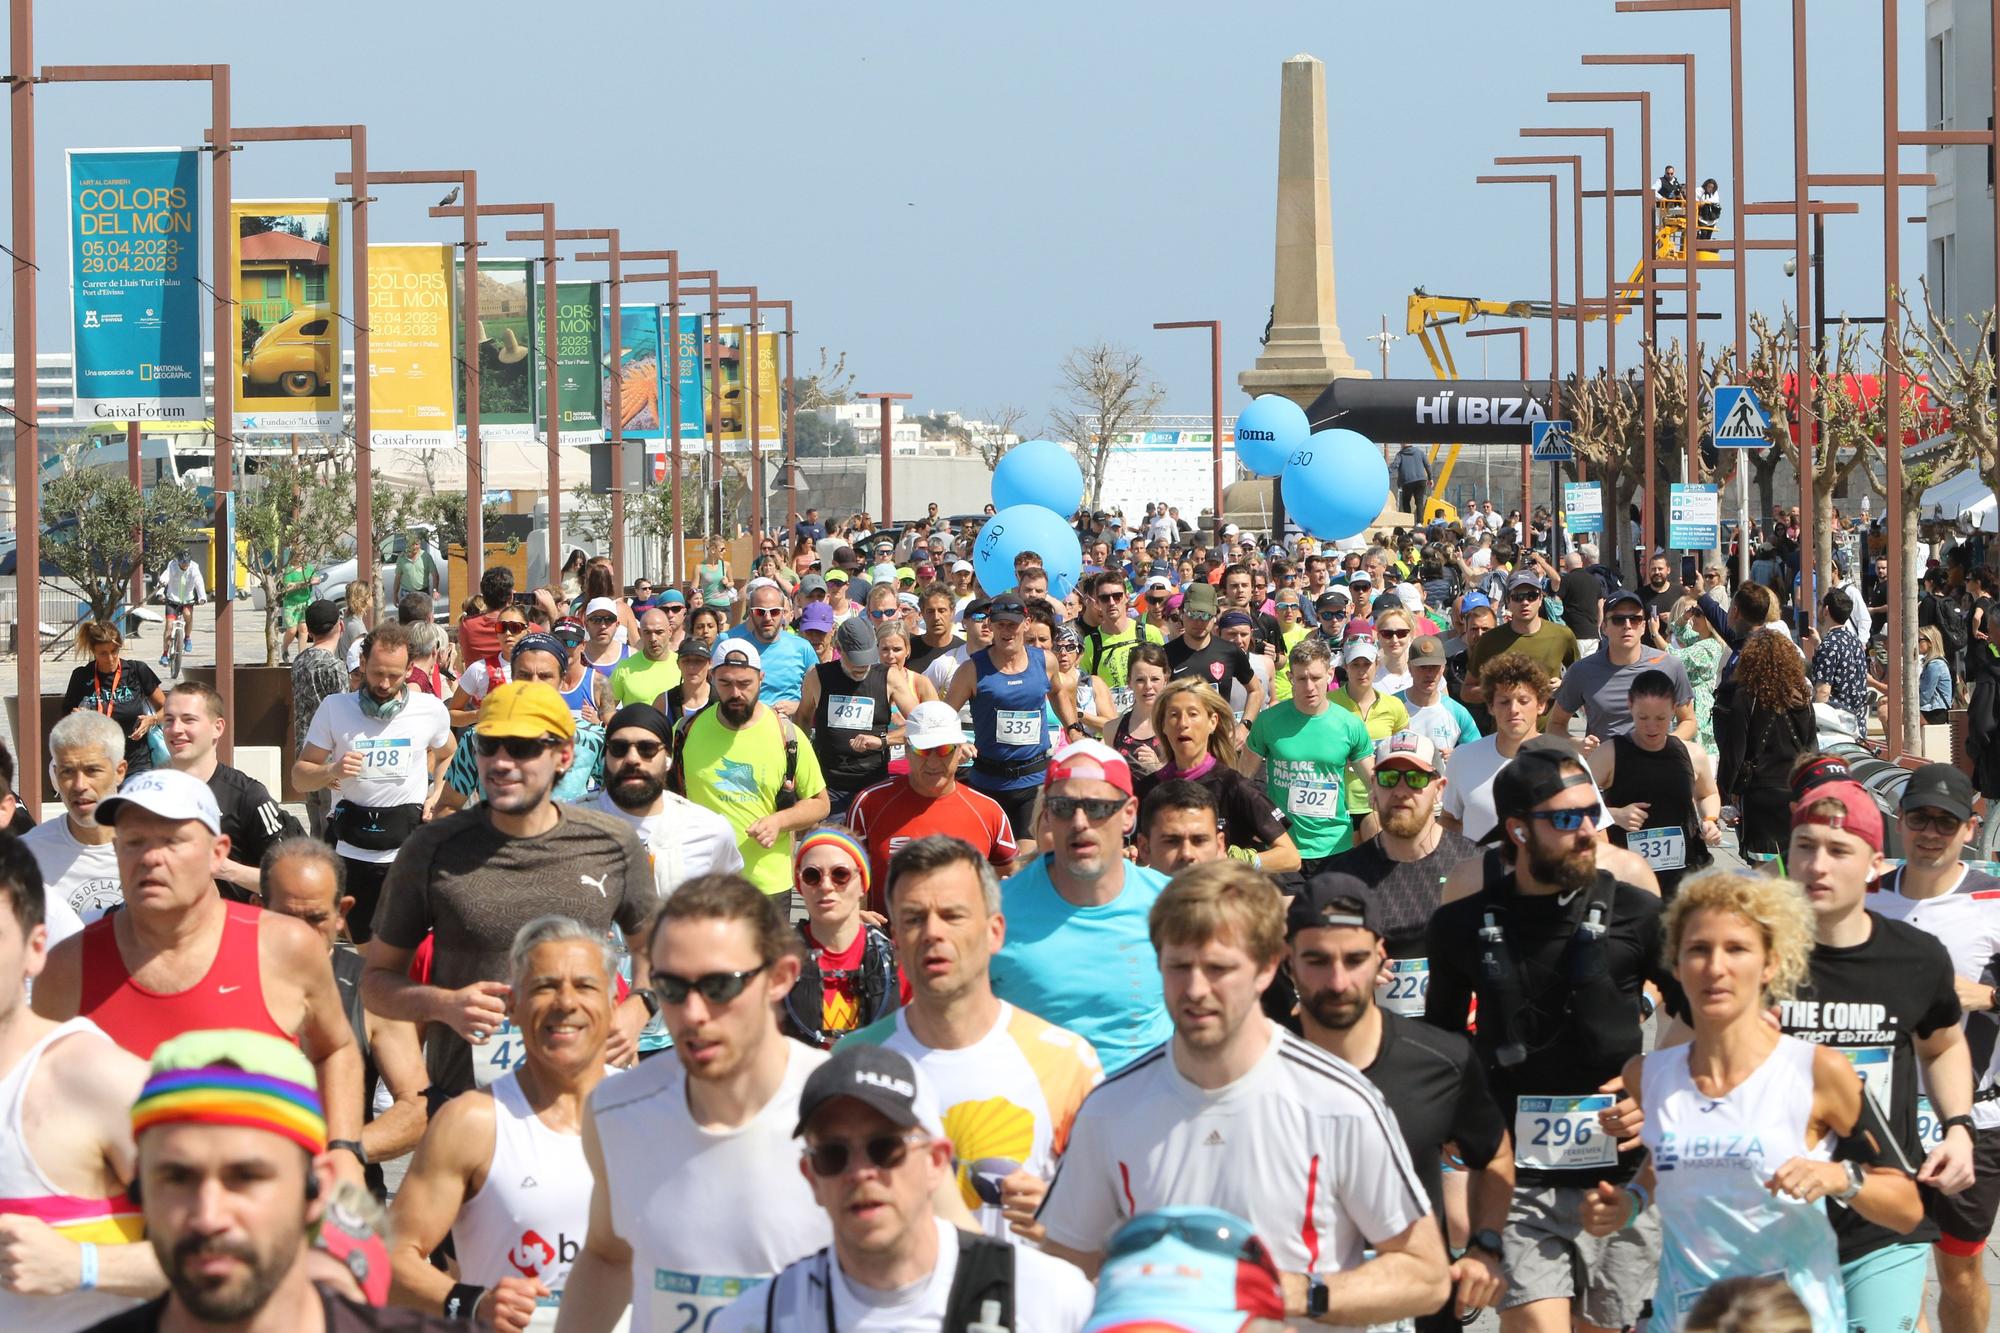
[
  {"x": 786, "y": 656},
  {"x": 944, "y": 912},
  {"x": 426, "y": 669},
  {"x": 79, "y": 867},
  {"x": 502, "y": 1170}
]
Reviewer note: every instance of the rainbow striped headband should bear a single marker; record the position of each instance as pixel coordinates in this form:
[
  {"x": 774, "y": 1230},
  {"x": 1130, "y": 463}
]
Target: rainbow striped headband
[
  {"x": 225, "y": 1095},
  {"x": 833, "y": 837}
]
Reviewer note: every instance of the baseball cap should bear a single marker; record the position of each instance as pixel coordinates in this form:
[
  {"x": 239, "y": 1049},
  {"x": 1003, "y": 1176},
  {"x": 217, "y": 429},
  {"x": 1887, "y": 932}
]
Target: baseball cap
[
  {"x": 1819, "y": 769},
  {"x": 1230, "y": 530},
  {"x": 1623, "y": 595},
  {"x": 731, "y": 651},
  {"x": 1007, "y": 606},
  {"x": 1360, "y": 577},
  {"x": 524, "y": 708},
  {"x": 759, "y": 582},
  {"x": 1199, "y": 601},
  {"x": 693, "y": 647},
  {"x": 567, "y": 631},
  {"x": 1408, "y": 747},
  {"x": 931, "y": 725},
  {"x": 321, "y": 617},
  {"x": 976, "y": 607},
  {"x": 905, "y": 572},
  {"x": 855, "y": 641},
  {"x": 811, "y": 583},
  {"x": 1940, "y": 787},
  {"x": 879, "y": 1078},
  {"x": 1358, "y": 645},
  {"x": 961, "y": 567},
  {"x": 168, "y": 793},
  {"x": 1315, "y": 908},
  {"x": 1522, "y": 578},
  {"x": 1473, "y": 599},
  {"x": 1159, "y": 583},
  {"x": 1185, "y": 1269},
  {"x": 816, "y": 616},
  {"x": 1531, "y": 777},
  {"x": 1858, "y": 813},
  {"x": 603, "y": 606},
  {"x": 1427, "y": 651},
  {"x": 1333, "y": 599},
  {"x": 836, "y": 576},
  {"x": 1090, "y": 759}
]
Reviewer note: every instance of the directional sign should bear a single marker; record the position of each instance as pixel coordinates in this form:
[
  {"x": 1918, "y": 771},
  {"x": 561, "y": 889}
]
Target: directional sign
[
  {"x": 1583, "y": 507},
  {"x": 1740, "y": 420},
  {"x": 1694, "y": 517},
  {"x": 1550, "y": 441}
]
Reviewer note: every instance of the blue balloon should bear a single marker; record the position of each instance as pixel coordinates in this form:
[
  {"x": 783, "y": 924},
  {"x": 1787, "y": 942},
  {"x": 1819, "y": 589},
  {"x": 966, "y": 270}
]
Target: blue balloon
[
  {"x": 1336, "y": 484},
  {"x": 1268, "y": 432},
  {"x": 1038, "y": 472},
  {"x": 1019, "y": 528}
]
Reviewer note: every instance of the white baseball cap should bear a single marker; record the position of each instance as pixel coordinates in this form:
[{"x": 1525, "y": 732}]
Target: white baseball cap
[
  {"x": 732, "y": 651},
  {"x": 1359, "y": 645},
  {"x": 961, "y": 567},
  {"x": 166, "y": 792},
  {"x": 600, "y": 604},
  {"x": 931, "y": 725}
]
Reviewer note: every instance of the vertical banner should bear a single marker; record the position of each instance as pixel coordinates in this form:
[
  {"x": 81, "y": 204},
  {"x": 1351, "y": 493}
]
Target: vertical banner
[
  {"x": 505, "y": 343},
  {"x": 640, "y": 368},
  {"x": 694, "y": 384},
  {"x": 411, "y": 296},
  {"x": 722, "y": 351},
  {"x": 135, "y": 293},
  {"x": 579, "y": 366},
  {"x": 1583, "y": 507},
  {"x": 770, "y": 408},
  {"x": 286, "y": 356}
]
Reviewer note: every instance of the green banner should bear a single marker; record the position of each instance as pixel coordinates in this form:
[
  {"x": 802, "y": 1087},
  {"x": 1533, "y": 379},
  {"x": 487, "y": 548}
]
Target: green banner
[
  {"x": 506, "y": 345},
  {"x": 579, "y": 364}
]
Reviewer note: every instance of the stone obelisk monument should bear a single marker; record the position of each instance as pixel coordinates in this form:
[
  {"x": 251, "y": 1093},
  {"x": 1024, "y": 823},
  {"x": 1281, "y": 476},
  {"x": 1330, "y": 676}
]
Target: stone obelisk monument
[{"x": 1305, "y": 350}]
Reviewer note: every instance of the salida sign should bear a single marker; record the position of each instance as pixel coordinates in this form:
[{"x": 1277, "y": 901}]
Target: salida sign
[{"x": 1432, "y": 411}]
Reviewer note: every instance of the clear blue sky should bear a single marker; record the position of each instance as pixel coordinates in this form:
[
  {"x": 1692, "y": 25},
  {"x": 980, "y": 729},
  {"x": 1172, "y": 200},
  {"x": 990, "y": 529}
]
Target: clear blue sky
[{"x": 957, "y": 194}]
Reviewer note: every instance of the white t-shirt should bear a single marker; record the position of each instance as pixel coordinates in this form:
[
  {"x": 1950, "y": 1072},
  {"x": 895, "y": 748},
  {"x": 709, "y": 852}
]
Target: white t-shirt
[
  {"x": 1966, "y": 920},
  {"x": 1468, "y": 785},
  {"x": 477, "y": 678},
  {"x": 1302, "y": 1147},
  {"x": 82, "y": 877},
  {"x": 682, "y": 841},
  {"x": 395, "y": 753},
  {"x": 1007, "y": 1100},
  {"x": 1050, "y": 1296},
  {"x": 709, "y": 1213}
]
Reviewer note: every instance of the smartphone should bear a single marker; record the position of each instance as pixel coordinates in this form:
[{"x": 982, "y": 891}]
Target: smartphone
[{"x": 1691, "y": 571}]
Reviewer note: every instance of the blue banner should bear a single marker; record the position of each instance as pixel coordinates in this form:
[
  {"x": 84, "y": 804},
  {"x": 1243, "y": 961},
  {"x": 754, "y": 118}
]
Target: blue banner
[
  {"x": 641, "y": 380},
  {"x": 135, "y": 291},
  {"x": 692, "y": 381}
]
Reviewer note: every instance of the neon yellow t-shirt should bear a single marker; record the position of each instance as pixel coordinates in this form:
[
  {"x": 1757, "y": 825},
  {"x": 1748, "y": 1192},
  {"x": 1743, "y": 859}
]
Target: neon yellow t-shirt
[
  {"x": 1384, "y": 718},
  {"x": 737, "y": 774}
]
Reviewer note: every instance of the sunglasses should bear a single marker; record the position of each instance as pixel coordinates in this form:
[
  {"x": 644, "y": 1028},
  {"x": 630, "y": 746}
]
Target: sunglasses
[
  {"x": 838, "y": 876},
  {"x": 521, "y": 748},
  {"x": 767, "y": 610},
  {"x": 1216, "y": 1234},
  {"x": 977, "y": 617},
  {"x": 1392, "y": 634},
  {"x": 1114, "y": 595},
  {"x": 513, "y": 626},
  {"x": 885, "y": 613},
  {"x": 601, "y": 620},
  {"x": 645, "y": 749},
  {"x": 1627, "y": 618},
  {"x": 1414, "y": 779},
  {"x": 1931, "y": 821},
  {"x": 715, "y": 987},
  {"x": 1566, "y": 821},
  {"x": 1095, "y": 808},
  {"x": 1524, "y": 595},
  {"x": 1333, "y": 615},
  {"x": 885, "y": 1152}
]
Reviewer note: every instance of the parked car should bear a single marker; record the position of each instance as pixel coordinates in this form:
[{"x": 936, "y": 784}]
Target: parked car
[{"x": 339, "y": 575}]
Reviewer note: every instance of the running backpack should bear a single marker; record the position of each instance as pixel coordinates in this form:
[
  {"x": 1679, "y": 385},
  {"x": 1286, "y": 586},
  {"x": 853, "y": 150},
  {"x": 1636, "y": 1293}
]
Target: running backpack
[{"x": 788, "y": 794}]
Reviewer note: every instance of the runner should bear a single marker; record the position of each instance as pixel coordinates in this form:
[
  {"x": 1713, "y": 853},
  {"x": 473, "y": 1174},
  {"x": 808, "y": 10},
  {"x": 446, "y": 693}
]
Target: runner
[
  {"x": 71, "y": 1247},
  {"x": 1180, "y": 824},
  {"x": 1660, "y": 788},
  {"x": 679, "y": 1145},
  {"x": 1337, "y": 930},
  {"x": 928, "y": 800},
  {"x": 1006, "y": 686},
  {"x": 1009, "y": 1083},
  {"x": 655, "y": 668},
  {"x": 1236, "y": 1113},
  {"x": 1516, "y": 690},
  {"x": 1094, "y": 707},
  {"x": 1548, "y": 645},
  {"x": 848, "y": 977},
  {"x": 939, "y": 637},
  {"x": 484, "y": 674},
  {"x": 1433, "y": 712},
  {"x": 252, "y": 819},
  {"x": 535, "y": 657},
  {"x": 501, "y": 1170},
  {"x": 784, "y": 656},
  {"x": 1304, "y": 750},
  {"x": 1555, "y": 953},
  {"x": 78, "y": 863},
  {"x": 1221, "y": 665},
  {"x": 1196, "y": 728},
  {"x": 681, "y": 839},
  {"x": 1382, "y": 715},
  {"x": 1147, "y": 674},
  {"x": 1107, "y": 649},
  {"x": 1078, "y": 914},
  {"x": 1598, "y": 686},
  {"x": 1404, "y": 865},
  {"x": 877, "y": 1155},
  {"x": 845, "y": 706}
]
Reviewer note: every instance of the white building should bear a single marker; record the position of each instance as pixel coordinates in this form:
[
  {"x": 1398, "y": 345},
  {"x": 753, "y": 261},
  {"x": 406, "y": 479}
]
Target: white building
[{"x": 1958, "y": 95}]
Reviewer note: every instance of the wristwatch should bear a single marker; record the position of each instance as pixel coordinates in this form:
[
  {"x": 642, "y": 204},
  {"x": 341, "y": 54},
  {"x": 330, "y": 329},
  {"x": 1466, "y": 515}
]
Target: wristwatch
[
  {"x": 352, "y": 1145},
  {"x": 1316, "y": 1297},
  {"x": 1487, "y": 1239},
  {"x": 650, "y": 1000},
  {"x": 1856, "y": 1177},
  {"x": 1944, "y": 1126}
]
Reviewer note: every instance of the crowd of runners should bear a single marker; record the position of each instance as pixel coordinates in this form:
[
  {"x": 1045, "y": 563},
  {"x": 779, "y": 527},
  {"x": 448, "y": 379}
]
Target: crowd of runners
[{"x": 1250, "y": 936}]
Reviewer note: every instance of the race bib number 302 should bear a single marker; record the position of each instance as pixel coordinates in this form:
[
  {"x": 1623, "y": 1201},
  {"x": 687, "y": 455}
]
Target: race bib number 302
[
  {"x": 1317, "y": 799},
  {"x": 1561, "y": 1133}
]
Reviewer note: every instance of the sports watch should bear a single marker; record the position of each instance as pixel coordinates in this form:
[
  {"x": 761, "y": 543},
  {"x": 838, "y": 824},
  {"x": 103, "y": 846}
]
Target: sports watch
[
  {"x": 1316, "y": 1296},
  {"x": 1856, "y": 1178},
  {"x": 1487, "y": 1239}
]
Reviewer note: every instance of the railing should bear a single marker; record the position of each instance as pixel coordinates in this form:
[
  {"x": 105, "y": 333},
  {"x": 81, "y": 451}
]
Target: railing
[{"x": 269, "y": 310}]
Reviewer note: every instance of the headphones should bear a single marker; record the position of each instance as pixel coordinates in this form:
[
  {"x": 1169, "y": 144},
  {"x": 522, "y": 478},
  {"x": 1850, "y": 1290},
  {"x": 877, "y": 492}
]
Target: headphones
[
  {"x": 1520, "y": 835},
  {"x": 312, "y": 1189}
]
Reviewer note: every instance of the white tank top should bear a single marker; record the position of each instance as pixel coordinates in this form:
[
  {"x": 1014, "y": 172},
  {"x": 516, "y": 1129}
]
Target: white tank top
[
  {"x": 1713, "y": 1156},
  {"x": 26, "y": 1189},
  {"x": 530, "y": 1215}
]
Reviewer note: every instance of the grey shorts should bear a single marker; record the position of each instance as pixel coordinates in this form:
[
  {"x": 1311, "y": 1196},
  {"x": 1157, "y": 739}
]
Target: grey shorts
[{"x": 1548, "y": 1255}]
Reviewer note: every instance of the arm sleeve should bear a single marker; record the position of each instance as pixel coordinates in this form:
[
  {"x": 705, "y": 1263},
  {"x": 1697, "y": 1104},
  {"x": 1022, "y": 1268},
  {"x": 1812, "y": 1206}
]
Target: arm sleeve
[{"x": 1083, "y": 1206}]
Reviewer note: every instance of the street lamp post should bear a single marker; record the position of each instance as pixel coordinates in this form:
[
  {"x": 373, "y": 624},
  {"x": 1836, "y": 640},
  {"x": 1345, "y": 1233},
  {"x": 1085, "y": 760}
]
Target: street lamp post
[
  {"x": 888, "y": 489},
  {"x": 787, "y": 423},
  {"x": 1214, "y": 327},
  {"x": 1519, "y": 332},
  {"x": 1555, "y": 351}
]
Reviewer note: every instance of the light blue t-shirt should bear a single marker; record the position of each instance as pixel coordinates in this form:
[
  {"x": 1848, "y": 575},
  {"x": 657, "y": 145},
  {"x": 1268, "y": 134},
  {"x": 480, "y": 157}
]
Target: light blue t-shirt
[
  {"x": 1088, "y": 969},
  {"x": 786, "y": 661},
  {"x": 1446, "y": 722}
]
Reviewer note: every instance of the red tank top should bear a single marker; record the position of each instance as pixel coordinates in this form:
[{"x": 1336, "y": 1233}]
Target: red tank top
[{"x": 230, "y": 996}]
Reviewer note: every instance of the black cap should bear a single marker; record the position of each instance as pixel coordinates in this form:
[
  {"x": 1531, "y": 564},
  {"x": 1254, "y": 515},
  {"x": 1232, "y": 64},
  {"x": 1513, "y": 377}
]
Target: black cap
[
  {"x": 1623, "y": 595},
  {"x": 641, "y": 715},
  {"x": 1821, "y": 768},
  {"x": 321, "y": 617},
  {"x": 1332, "y": 600},
  {"x": 1320, "y": 905},
  {"x": 1007, "y": 606},
  {"x": 878, "y": 1078},
  {"x": 1532, "y": 776},
  {"x": 1940, "y": 787}
]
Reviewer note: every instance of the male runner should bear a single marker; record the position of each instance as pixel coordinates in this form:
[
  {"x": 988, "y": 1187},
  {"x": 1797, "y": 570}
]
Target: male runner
[
  {"x": 1598, "y": 685},
  {"x": 1304, "y": 748},
  {"x": 928, "y": 800},
  {"x": 1180, "y": 824},
  {"x": 1107, "y": 649},
  {"x": 1007, "y": 686},
  {"x": 252, "y": 819},
  {"x": 79, "y": 865}
]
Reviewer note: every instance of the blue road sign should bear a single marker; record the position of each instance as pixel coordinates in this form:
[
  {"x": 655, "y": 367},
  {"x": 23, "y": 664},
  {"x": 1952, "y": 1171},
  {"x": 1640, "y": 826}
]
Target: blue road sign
[
  {"x": 1549, "y": 442},
  {"x": 1740, "y": 420}
]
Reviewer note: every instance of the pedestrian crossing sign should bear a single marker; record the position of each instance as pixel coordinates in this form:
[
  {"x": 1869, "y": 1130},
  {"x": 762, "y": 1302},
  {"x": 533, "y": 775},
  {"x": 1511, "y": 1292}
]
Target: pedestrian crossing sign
[
  {"x": 1740, "y": 420},
  {"x": 1549, "y": 442}
]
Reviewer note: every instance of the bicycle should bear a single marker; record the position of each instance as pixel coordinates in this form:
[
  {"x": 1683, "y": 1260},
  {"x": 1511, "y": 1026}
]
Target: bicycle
[{"x": 180, "y": 630}]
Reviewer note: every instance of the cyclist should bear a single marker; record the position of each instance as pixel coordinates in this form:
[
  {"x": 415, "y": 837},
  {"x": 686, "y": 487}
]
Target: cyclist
[{"x": 180, "y": 587}]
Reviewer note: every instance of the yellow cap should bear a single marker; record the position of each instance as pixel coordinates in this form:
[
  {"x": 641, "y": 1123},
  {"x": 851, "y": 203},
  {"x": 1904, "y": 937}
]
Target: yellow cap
[{"x": 525, "y": 708}]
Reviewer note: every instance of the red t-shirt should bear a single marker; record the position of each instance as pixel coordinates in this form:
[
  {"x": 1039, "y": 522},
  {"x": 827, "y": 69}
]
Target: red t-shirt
[
  {"x": 890, "y": 814},
  {"x": 840, "y": 982},
  {"x": 478, "y": 636}
]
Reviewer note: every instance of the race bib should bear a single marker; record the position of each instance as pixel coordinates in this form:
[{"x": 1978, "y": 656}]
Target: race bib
[
  {"x": 1121, "y": 699},
  {"x": 386, "y": 758},
  {"x": 1404, "y": 985},
  {"x": 1930, "y": 1126},
  {"x": 1877, "y": 1067},
  {"x": 1321, "y": 800},
  {"x": 500, "y": 1055},
  {"x": 898, "y": 752},
  {"x": 1561, "y": 1133},
  {"x": 1017, "y": 726},
  {"x": 1663, "y": 848},
  {"x": 687, "y": 1302},
  {"x": 850, "y": 712}
]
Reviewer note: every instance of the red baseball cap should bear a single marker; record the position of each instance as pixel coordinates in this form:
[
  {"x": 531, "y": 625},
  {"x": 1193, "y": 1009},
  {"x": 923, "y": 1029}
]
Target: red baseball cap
[
  {"x": 1858, "y": 813},
  {"x": 1090, "y": 759}
]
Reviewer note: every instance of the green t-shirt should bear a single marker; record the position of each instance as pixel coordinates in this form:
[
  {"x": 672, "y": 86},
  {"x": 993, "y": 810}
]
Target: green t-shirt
[
  {"x": 1281, "y": 676},
  {"x": 737, "y": 774},
  {"x": 412, "y": 567},
  {"x": 295, "y": 587},
  {"x": 1305, "y": 767},
  {"x": 1386, "y": 716},
  {"x": 640, "y": 680},
  {"x": 1108, "y": 655},
  {"x": 1551, "y": 647}
]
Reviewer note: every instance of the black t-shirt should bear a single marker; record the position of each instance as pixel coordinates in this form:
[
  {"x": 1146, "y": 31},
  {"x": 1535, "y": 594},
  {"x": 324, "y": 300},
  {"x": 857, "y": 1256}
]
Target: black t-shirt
[
  {"x": 922, "y": 654},
  {"x": 125, "y": 695},
  {"x": 1407, "y": 891},
  {"x": 1580, "y": 592},
  {"x": 1658, "y": 600},
  {"x": 1245, "y": 813},
  {"x": 250, "y": 817},
  {"x": 1433, "y": 1081},
  {"x": 1577, "y": 1037},
  {"x": 1877, "y": 996},
  {"x": 1214, "y": 665},
  {"x": 342, "y": 1316}
]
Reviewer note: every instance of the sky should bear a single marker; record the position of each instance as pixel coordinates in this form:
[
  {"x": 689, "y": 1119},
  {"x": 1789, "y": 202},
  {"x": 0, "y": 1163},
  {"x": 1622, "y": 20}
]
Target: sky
[{"x": 956, "y": 195}]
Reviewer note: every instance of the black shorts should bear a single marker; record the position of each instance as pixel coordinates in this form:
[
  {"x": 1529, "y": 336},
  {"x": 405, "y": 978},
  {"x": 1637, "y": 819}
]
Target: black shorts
[
  {"x": 1019, "y": 805},
  {"x": 1967, "y": 1218}
]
